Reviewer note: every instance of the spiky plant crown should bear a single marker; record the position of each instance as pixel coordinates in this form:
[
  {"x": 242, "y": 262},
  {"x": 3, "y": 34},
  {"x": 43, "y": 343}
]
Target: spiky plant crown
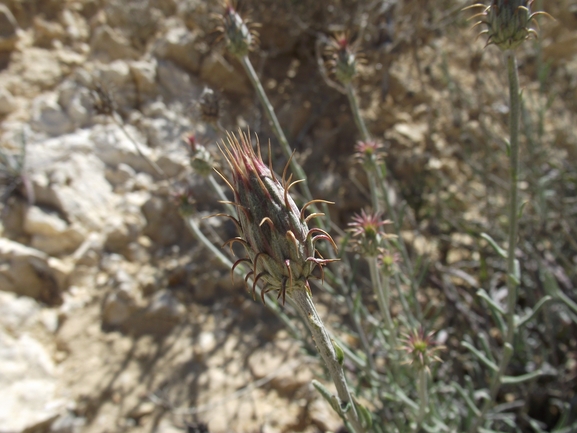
[
  {"x": 508, "y": 22},
  {"x": 273, "y": 230}
]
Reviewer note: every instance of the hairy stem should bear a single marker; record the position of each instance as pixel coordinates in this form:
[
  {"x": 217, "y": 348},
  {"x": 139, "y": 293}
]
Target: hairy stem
[
  {"x": 357, "y": 112},
  {"x": 512, "y": 278},
  {"x": 382, "y": 292},
  {"x": 423, "y": 395},
  {"x": 306, "y": 308}
]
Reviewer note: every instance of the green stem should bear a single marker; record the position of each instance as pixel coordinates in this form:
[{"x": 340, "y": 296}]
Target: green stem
[
  {"x": 512, "y": 281},
  {"x": 423, "y": 395},
  {"x": 357, "y": 112},
  {"x": 306, "y": 308},
  {"x": 382, "y": 292}
]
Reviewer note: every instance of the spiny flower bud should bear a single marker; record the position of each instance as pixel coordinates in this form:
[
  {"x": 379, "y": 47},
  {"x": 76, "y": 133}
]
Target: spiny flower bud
[
  {"x": 508, "y": 22},
  {"x": 421, "y": 349},
  {"x": 343, "y": 59},
  {"x": 367, "y": 229},
  {"x": 185, "y": 202},
  {"x": 238, "y": 33},
  {"x": 274, "y": 232},
  {"x": 201, "y": 160}
]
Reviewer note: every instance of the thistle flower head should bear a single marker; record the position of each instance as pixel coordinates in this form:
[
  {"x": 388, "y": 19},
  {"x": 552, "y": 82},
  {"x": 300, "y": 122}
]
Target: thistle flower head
[
  {"x": 368, "y": 232},
  {"x": 238, "y": 33},
  {"x": 508, "y": 22},
  {"x": 421, "y": 349},
  {"x": 343, "y": 57},
  {"x": 273, "y": 230},
  {"x": 368, "y": 153}
]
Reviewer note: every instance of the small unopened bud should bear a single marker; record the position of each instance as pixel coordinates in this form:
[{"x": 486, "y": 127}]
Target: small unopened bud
[
  {"x": 343, "y": 58},
  {"x": 387, "y": 261},
  {"x": 185, "y": 202},
  {"x": 201, "y": 159},
  {"x": 238, "y": 33}
]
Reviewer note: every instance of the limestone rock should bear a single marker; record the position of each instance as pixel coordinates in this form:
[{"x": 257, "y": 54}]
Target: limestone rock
[
  {"x": 113, "y": 147},
  {"x": 75, "y": 25},
  {"x": 220, "y": 74},
  {"x": 7, "y": 103},
  {"x": 30, "y": 272},
  {"x": 278, "y": 359},
  {"x": 118, "y": 307},
  {"x": 17, "y": 312},
  {"x": 48, "y": 116},
  {"x": 144, "y": 73},
  {"x": 50, "y": 233},
  {"x": 109, "y": 44},
  {"x": 40, "y": 68},
  {"x": 178, "y": 46},
  {"x": 29, "y": 386},
  {"x": 78, "y": 189},
  {"x": 47, "y": 31},
  {"x": 175, "y": 82},
  {"x": 8, "y": 27}
]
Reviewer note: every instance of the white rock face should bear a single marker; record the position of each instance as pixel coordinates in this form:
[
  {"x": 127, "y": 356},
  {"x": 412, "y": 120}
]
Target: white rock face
[
  {"x": 52, "y": 234},
  {"x": 49, "y": 117},
  {"x": 29, "y": 384}
]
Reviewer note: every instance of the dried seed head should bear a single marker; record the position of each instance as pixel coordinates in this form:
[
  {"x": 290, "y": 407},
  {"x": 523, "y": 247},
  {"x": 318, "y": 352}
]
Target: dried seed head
[
  {"x": 201, "y": 159},
  {"x": 274, "y": 231},
  {"x": 368, "y": 233},
  {"x": 102, "y": 101},
  {"x": 210, "y": 105},
  {"x": 508, "y": 22},
  {"x": 238, "y": 33},
  {"x": 343, "y": 58},
  {"x": 421, "y": 349}
]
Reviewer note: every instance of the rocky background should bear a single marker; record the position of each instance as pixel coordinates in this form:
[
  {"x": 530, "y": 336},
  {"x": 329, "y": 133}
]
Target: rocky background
[{"x": 113, "y": 318}]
